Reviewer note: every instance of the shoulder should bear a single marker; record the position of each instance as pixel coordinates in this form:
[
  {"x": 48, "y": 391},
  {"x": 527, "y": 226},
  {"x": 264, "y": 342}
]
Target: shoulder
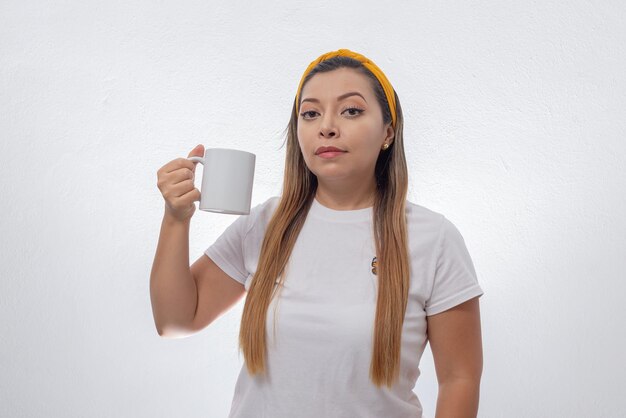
[
  {"x": 266, "y": 209},
  {"x": 423, "y": 222},
  {"x": 422, "y": 213},
  {"x": 261, "y": 213},
  {"x": 441, "y": 232}
]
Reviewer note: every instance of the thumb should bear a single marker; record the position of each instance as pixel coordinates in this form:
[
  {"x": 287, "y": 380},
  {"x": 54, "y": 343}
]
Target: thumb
[{"x": 197, "y": 151}]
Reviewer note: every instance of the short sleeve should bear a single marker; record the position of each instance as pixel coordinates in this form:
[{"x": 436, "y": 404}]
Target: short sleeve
[
  {"x": 228, "y": 250},
  {"x": 455, "y": 278}
]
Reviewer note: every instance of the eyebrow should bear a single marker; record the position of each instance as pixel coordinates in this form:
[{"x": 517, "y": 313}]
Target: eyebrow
[{"x": 343, "y": 96}]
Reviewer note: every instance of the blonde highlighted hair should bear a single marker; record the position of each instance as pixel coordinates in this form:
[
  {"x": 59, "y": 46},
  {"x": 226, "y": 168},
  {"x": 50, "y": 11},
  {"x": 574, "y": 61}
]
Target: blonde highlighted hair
[{"x": 390, "y": 235}]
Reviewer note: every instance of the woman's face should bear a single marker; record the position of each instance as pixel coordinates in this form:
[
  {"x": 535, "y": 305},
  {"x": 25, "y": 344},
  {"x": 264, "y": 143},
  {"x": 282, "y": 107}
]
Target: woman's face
[{"x": 339, "y": 109}]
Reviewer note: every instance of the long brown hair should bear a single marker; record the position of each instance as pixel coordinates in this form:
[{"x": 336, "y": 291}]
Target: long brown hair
[{"x": 299, "y": 187}]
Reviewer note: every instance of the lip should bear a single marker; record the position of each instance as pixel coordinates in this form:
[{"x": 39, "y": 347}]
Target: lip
[
  {"x": 328, "y": 149},
  {"x": 330, "y": 154}
]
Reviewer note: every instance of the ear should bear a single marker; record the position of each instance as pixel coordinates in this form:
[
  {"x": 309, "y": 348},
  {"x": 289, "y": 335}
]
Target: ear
[{"x": 390, "y": 134}]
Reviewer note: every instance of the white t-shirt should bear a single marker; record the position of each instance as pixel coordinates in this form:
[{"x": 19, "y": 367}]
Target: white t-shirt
[{"x": 320, "y": 351}]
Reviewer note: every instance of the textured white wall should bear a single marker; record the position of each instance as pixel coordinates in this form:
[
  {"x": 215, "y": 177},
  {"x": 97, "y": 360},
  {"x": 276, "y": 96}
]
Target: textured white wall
[{"x": 514, "y": 129}]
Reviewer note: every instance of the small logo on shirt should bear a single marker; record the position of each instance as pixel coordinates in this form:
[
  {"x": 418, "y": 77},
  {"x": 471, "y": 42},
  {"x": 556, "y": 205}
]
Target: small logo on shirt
[{"x": 374, "y": 264}]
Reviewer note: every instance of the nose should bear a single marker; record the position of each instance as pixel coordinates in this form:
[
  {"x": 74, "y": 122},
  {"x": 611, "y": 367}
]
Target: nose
[
  {"x": 329, "y": 133},
  {"x": 328, "y": 128}
]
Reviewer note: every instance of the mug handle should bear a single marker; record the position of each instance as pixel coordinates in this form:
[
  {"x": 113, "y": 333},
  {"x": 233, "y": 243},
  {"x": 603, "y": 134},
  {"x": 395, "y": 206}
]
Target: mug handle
[{"x": 196, "y": 159}]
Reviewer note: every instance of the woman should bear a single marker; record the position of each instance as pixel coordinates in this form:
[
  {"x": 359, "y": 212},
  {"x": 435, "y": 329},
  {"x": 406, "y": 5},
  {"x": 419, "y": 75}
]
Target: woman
[{"x": 356, "y": 277}]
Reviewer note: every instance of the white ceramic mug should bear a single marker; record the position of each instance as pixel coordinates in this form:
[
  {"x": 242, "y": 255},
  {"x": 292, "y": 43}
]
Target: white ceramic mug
[{"x": 227, "y": 178}]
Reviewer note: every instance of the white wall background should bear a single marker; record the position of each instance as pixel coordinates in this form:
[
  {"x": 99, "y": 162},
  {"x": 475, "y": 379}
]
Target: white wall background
[{"x": 514, "y": 129}]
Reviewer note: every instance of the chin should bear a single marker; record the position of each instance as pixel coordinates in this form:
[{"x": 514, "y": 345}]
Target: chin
[{"x": 331, "y": 173}]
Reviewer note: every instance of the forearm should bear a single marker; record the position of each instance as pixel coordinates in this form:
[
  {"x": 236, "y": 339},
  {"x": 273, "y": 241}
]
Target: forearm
[
  {"x": 458, "y": 398},
  {"x": 172, "y": 287}
]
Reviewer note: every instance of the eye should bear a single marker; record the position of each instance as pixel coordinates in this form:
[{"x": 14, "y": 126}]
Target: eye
[
  {"x": 351, "y": 112},
  {"x": 353, "y": 109},
  {"x": 303, "y": 114}
]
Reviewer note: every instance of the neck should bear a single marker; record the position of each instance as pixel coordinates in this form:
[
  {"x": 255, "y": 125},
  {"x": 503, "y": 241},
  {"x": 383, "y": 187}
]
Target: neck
[{"x": 341, "y": 196}]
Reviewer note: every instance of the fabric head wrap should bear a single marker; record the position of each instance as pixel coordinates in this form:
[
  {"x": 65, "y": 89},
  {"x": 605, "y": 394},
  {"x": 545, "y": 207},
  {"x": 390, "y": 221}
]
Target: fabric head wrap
[{"x": 367, "y": 63}]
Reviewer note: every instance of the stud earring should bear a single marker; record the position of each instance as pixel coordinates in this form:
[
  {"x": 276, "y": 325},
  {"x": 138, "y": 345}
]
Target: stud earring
[{"x": 385, "y": 146}]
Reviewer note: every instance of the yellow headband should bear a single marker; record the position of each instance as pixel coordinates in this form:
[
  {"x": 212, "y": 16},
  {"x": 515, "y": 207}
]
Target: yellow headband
[{"x": 389, "y": 93}]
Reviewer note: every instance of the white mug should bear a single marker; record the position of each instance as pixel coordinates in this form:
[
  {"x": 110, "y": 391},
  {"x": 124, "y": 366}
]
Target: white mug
[{"x": 227, "y": 178}]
